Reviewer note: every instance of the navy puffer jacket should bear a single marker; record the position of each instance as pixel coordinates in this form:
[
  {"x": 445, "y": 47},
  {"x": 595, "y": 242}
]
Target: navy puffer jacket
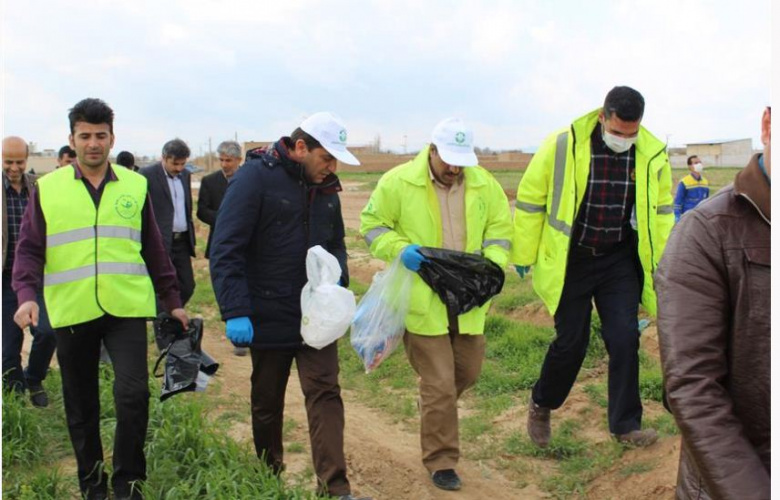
[{"x": 268, "y": 220}]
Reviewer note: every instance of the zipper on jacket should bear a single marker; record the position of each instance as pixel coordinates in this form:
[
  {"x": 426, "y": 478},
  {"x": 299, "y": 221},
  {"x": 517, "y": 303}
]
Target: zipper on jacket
[{"x": 743, "y": 195}]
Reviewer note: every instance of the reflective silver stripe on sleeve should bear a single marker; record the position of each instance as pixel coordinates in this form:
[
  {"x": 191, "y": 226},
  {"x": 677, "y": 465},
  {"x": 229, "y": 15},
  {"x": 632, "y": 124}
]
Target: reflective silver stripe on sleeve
[
  {"x": 67, "y": 276},
  {"x": 505, "y": 244},
  {"x": 665, "y": 209},
  {"x": 559, "y": 225},
  {"x": 119, "y": 232},
  {"x": 72, "y": 236},
  {"x": 530, "y": 207},
  {"x": 86, "y": 233},
  {"x": 560, "y": 171},
  {"x": 122, "y": 268},
  {"x": 376, "y": 233}
]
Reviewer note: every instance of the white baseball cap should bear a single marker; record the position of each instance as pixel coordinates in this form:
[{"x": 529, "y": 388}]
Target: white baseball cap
[
  {"x": 330, "y": 131},
  {"x": 455, "y": 143}
]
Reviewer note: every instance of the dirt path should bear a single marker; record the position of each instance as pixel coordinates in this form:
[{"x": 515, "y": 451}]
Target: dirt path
[{"x": 383, "y": 458}]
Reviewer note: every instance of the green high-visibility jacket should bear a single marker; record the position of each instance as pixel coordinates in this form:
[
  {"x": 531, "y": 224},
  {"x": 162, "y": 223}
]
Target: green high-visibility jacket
[
  {"x": 404, "y": 209},
  {"x": 550, "y": 195},
  {"x": 93, "y": 255}
]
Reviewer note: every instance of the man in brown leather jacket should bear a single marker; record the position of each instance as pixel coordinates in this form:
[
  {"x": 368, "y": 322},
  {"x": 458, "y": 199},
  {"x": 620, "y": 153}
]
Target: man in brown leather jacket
[{"x": 713, "y": 287}]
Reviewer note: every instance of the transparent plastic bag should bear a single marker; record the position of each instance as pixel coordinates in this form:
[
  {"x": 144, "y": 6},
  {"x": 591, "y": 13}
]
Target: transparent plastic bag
[
  {"x": 379, "y": 322},
  {"x": 326, "y": 308}
]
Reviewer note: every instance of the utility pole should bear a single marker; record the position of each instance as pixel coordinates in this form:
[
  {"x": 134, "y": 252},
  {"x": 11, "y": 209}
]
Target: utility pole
[{"x": 209, "y": 154}]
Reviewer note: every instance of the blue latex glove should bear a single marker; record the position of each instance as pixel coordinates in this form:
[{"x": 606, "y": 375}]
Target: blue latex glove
[
  {"x": 239, "y": 331},
  {"x": 412, "y": 258},
  {"x": 523, "y": 270}
]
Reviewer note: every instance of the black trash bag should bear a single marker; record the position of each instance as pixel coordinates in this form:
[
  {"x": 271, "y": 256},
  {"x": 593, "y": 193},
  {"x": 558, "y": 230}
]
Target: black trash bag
[
  {"x": 163, "y": 338},
  {"x": 182, "y": 353},
  {"x": 462, "y": 280}
]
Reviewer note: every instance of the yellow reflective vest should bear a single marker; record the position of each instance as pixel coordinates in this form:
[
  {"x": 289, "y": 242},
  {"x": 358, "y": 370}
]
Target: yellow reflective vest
[
  {"x": 93, "y": 255},
  {"x": 550, "y": 195},
  {"x": 404, "y": 209}
]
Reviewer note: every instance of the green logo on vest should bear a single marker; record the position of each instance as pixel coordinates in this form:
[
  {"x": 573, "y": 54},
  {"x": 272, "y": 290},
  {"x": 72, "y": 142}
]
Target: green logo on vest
[
  {"x": 126, "y": 206},
  {"x": 460, "y": 137},
  {"x": 343, "y": 136}
]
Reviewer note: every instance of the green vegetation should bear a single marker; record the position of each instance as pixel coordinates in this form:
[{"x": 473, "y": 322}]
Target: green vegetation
[{"x": 187, "y": 456}]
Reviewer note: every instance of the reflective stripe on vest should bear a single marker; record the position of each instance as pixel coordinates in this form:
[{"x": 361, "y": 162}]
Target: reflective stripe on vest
[
  {"x": 505, "y": 244},
  {"x": 87, "y": 233},
  {"x": 376, "y": 233},
  {"x": 88, "y": 271}
]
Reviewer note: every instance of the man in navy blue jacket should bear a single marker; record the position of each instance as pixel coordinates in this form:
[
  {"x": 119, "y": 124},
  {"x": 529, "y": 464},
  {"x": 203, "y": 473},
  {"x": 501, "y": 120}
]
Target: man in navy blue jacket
[{"x": 276, "y": 208}]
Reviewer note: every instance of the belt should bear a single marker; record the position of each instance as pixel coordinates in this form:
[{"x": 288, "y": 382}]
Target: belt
[
  {"x": 180, "y": 236},
  {"x": 600, "y": 252}
]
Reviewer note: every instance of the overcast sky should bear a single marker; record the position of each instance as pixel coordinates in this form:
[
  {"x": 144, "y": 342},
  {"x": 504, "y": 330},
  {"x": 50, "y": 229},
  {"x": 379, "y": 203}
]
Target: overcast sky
[{"x": 515, "y": 70}]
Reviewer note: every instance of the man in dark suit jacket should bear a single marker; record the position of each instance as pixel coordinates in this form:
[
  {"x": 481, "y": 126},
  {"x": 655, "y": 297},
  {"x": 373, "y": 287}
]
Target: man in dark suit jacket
[
  {"x": 213, "y": 186},
  {"x": 169, "y": 189},
  {"x": 17, "y": 186},
  {"x": 212, "y": 190}
]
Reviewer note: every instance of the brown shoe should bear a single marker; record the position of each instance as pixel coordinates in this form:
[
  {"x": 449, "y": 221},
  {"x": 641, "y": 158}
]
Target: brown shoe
[
  {"x": 538, "y": 424},
  {"x": 638, "y": 438}
]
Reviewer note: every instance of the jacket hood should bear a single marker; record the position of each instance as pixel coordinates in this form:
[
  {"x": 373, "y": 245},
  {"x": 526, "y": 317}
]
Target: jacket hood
[
  {"x": 751, "y": 183},
  {"x": 279, "y": 153},
  {"x": 646, "y": 142}
]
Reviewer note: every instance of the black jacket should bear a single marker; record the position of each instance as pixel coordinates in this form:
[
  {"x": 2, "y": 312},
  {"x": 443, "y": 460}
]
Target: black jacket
[
  {"x": 162, "y": 203},
  {"x": 268, "y": 220},
  {"x": 212, "y": 191}
]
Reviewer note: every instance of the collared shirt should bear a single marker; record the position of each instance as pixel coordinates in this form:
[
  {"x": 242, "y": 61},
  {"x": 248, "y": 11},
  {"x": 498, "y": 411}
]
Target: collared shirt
[
  {"x": 605, "y": 214},
  {"x": 31, "y": 255},
  {"x": 453, "y": 212},
  {"x": 177, "y": 197},
  {"x": 15, "y": 203}
]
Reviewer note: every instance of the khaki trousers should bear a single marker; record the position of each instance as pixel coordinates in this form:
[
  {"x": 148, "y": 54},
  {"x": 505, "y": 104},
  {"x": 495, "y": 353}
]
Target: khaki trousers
[{"x": 447, "y": 365}]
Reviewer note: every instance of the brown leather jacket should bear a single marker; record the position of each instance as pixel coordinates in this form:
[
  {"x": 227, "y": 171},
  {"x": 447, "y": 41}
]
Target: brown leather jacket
[{"x": 714, "y": 331}]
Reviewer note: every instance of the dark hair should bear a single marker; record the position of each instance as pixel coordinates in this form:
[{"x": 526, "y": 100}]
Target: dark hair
[
  {"x": 126, "y": 159},
  {"x": 311, "y": 142},
  {"x": 626, "y": 103},
  {"x": 66, "y": 151},
  {"x": 91, "y": 110},
  {"x": 690, "y": 159},
  {"x": 176, "y": 148}
]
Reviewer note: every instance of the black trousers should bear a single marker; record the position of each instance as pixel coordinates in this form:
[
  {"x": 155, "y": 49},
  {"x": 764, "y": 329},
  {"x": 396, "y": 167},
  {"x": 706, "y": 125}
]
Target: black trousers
[
  {"x": 182, "y": 261},
  {"x": 318, "y": 372},
  {"x": 78, "y": 353},
  {"x": 613, "y": 282}
]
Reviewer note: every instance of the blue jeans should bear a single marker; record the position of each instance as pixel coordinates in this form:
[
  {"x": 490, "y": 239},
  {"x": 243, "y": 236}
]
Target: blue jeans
[{"x": 43, "y": 345}]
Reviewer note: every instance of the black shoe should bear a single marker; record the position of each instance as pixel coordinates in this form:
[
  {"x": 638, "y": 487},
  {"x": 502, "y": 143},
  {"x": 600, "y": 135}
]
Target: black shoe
[
  {"x": 446, "y": 479},
  {"x": 38, "y": 396}
]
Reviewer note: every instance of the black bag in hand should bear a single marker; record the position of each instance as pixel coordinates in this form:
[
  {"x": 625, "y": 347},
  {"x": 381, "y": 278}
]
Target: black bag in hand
[
  {"x": 182, "y": 353},
  {"x": 462, "y": 280}
]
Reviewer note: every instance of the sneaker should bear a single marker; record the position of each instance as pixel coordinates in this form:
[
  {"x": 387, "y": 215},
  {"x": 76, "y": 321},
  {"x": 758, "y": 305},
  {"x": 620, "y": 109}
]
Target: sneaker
[
  {"x": 638, "y": 438},
  {"x": 240, "y": 351},
  {"x": 446, "y": 479},
  {"x": 38, "y": 396},
  {"x": 538, "y": 425}
]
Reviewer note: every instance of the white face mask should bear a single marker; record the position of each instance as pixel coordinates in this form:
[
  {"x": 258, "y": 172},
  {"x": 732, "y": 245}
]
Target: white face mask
[
  {"x": 698, "y": 168},
  {"x": 615, "y": 142}
]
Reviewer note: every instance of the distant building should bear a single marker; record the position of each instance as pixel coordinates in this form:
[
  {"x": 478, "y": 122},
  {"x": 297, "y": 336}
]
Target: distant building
[{"x": 727, "y": 153}]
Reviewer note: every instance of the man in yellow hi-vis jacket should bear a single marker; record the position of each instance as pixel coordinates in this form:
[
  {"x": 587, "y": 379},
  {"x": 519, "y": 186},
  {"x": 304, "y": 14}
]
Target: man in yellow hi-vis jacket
[
  {"x": 593, "y": 213},
  {"x": 443, "y": 199}
]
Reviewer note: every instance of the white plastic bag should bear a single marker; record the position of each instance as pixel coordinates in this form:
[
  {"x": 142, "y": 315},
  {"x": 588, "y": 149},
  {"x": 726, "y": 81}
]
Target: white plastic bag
[
  {"x": 379, "y": 322},
  {"x": 327, "y": 308}
]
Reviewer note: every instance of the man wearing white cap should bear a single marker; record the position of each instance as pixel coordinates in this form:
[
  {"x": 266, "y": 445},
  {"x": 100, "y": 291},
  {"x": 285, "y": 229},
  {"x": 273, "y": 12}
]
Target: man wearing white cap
[
  {"x": 442, "y": 199},
  {"x": 275, "y": 209}
]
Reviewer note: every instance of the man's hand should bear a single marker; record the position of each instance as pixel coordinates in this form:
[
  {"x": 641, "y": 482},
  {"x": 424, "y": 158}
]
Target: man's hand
[
  {"x": 522, "y": 271},
  {"x": 412, "y": 258},
  {"x": 240, "y": 331},
  {"x": 181, "y": 315},
  {"x": 27, "y": 314}
]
